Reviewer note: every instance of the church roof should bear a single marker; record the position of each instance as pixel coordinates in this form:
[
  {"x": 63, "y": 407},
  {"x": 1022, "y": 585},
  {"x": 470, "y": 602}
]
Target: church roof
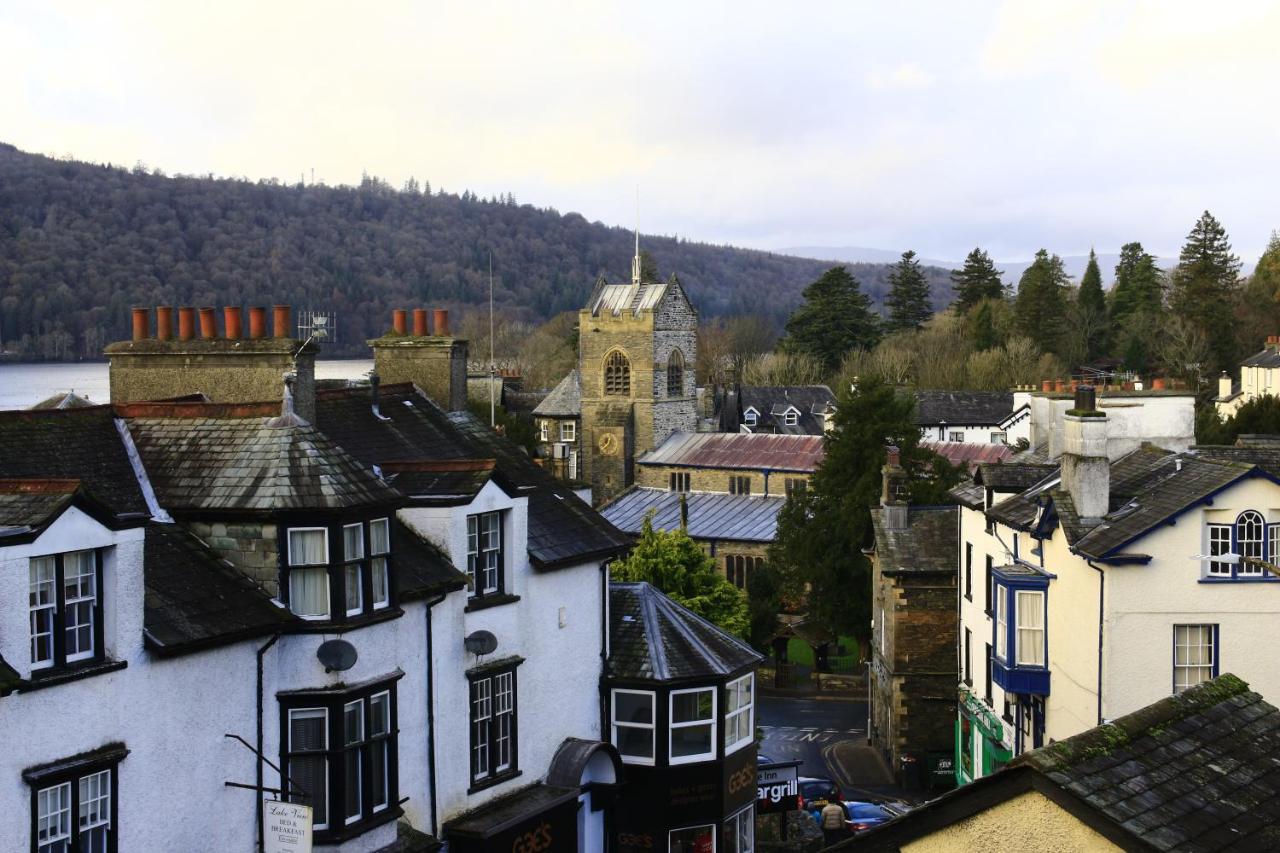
[{"x": 616, "y": 298}]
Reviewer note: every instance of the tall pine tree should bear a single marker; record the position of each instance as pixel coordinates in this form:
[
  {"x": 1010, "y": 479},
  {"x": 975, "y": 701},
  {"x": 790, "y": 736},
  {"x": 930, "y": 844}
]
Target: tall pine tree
[
  {"x": 1040, "y": 305},
  {"x": 834, "y": 318},
  {"x": 1258, "y": 314},
  {"x": 977, "y": 280},
  {"x": 908, "y": 300},
  {"x": 1205, "y": 285},
  {"x": 1091, "y": 294},
  {"x": 1090, "y": 314}
]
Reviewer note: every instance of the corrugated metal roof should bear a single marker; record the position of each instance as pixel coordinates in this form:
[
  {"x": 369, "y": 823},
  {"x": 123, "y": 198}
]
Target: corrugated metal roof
[
  {"x": 800, "y": 453},
  {"x": 743, "y": 518},
  {"x": 972, "y": 455}
]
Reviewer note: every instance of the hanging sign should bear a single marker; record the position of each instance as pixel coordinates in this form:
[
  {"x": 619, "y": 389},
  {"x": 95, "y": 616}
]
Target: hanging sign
[
  {"x": 286, "y": 827},
  {"x": 777, "y": 787}
]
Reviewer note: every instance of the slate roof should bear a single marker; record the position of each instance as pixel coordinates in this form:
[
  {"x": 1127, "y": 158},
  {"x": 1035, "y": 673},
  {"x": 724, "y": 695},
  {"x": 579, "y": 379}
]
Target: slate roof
[
  {"x": 968, "y": 495},
  {"x": 81, "y": 444},
  {"x": 651, "y": 638},
  {"x": 1012, "y": 476},
  {"x": 773, "y": 401},
  {"x": 796, "y": 453},
  {"x": 194, "y": 599},
  {"x": 742, "y": 518},
  {"x": 1192, "y": 773},
  {"x": 962, "y": 408},
  {"x": 247, "y": 464},
  {"x": 1269, "y": 357},
  {"x": 565, "y": 400},
  {"x": 439, "y": 481},
  {"x": 31, "y": 503},
  {"x": 969, "y": 453},
  {"x": 64, "y": 400},
  {"x": 563, "y": 530},
  {"x": 928, "y": 545},
  {"x": 421, "y": 569}
]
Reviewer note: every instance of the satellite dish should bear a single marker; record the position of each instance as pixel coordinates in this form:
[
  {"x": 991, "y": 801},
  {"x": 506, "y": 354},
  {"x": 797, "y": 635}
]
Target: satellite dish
[
  {"x": 337, "y": 655},
  {"x": 481, "y": 643}
]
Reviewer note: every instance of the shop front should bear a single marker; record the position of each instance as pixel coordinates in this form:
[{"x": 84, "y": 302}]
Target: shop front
[{"x": 981, "y": 748}]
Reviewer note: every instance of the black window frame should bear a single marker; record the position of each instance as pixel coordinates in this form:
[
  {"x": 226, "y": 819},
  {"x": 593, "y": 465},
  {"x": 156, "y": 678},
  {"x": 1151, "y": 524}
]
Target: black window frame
[
  {"x": 59, "y": 663},
  {"x": 679, "y": 481},
  {"x": 988, "y": 695},
  {"x": 336, "y": 567},
  {"x": 739, "y": 484},
  {"x": 739, "y": 567},
  {"x": 968, "y": 659},
  {"x": 71, "y": 771},
  {"x": 477, "y": 590},
  {"x": 489, "y": 675},
  {"x": 968, "y": 571},
  {"x": 990, "y": 586},
  {"x": 334, "y": 702},
  {"x": 675, "y": 374}
]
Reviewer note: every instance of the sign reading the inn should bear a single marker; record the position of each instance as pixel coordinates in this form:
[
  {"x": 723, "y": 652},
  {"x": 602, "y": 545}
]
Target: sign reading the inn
[{"x": 777, "y": 787}]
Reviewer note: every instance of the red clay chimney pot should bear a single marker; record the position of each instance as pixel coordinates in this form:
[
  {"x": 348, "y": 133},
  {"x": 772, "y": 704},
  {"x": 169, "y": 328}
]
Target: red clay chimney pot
[
  {"x": 419, "y": 322},
  {"x": 186, "y": 323},
  {"x": 441, "y": 322},
  {"x": 281, "y": 321},
  {"x": 399, "y": 322},
  {"x": 231, "y": 322},
  {"x": 164, "y": 322},
  {"x": 141, "y": 320},
  {"x": 1157, "y": 384},
  {"x": 208, "y": 323},
  {"x": 257, "y": 322}
]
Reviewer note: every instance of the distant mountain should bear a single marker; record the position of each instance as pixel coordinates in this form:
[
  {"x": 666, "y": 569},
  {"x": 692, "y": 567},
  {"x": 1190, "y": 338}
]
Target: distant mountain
[
  {"x": 1074, "y": 264},
  {"x": 81, "y": 243}
]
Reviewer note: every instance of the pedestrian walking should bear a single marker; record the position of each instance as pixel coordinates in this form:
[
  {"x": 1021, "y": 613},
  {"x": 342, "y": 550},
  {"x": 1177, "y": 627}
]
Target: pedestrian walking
[{"x": 833, "y": 823}]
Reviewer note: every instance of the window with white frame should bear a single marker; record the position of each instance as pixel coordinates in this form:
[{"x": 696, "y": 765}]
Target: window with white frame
[
  {"x": 339, "y": 754},
  {"x": 956, "y": 435},
  {"x": 75, "y": 810},
  {"x": 633, "y": 725},
  {"x": 1029, "y": 613},
  {"x": 484, "y": 553},
  {"x": 693, "y": 725},
  {"x": 353, "y": 567},
  {"x": 568, "y": 431},
  {"x": 1251, "y": 545},
  {"x": 739, "y": 713},
  {"x": 309, "y": 572},
  {"x": 750, "y": 417},
  {"x": 692, "y": 839},
  {"x": 739, "y": 832},
  {"x": 544, "y": 430},
  {"x": 64, "y": 606},
  {"x": 1002, "y": 624},
  {"x": 1219, "y": 546},
  {"x": 791, "y": 417},
  {"x": 1195, "y": 655},
  {"x": 379, "y": 549},
  {"x": 999, "y": 437},
  {"x": 493, "y": 726}
]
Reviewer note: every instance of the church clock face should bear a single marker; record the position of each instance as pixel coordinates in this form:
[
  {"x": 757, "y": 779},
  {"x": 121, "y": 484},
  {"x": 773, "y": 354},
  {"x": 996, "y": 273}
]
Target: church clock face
[{"x": 608, "y": 444}]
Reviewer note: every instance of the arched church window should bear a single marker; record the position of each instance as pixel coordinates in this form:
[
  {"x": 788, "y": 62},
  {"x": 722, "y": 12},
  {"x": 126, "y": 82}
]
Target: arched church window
[
  {"x": 675, "y": 374},
  {"x": 617, "y": 374}
]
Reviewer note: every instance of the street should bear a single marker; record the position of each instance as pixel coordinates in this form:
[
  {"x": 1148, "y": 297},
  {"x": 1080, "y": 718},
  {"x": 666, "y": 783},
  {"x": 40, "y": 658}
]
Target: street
[{"x": 830, "y": 737}]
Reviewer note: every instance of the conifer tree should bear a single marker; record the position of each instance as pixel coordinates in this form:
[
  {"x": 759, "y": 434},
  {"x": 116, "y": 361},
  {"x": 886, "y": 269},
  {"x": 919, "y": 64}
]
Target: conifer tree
[
  {"x": 1089, "y": 314},
  {"x": 1258, "y": 313},
  {"x": 1205, "y": 284},
  {"x": 1039, "y": 306},
  {"x": 834, "y": 318},
  {"x": 977, "y": 280},
  {"x": 1139, "y": 285},
  {"x": 1091, "y": 294},
  {"x": 908, "y": 301}
]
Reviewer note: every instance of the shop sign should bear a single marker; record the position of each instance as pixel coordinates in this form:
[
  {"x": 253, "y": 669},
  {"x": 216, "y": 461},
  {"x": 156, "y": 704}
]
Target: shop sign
[
  {"x": 286, "y": 827},
  {"x": 777, "y": 787}
]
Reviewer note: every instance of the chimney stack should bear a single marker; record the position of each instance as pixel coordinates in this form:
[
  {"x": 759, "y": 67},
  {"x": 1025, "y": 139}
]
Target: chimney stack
[
  {"x": 420, "y": 322},
  {"x": 435, "y": 362},
  {"x": 231, "y": 322},
  {"x": 281, "y": 318},
  {"x": 257, "y": 322},
  {"x": 208, "y": 324},
  {"x": 141, "y": 320},
  {"x": 164, "y": 322},
  {"x": 186, "y": 323},
  {"x": 1086, "y": 471},
  {"x": 893, "y": 491},
  {"x": 1224, "y": 385}
]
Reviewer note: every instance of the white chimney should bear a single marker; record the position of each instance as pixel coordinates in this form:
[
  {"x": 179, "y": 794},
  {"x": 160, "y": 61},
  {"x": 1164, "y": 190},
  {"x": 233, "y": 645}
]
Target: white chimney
[
  {"x": 1086, "y": 471},
  {"x": 1224, "y": 385}
]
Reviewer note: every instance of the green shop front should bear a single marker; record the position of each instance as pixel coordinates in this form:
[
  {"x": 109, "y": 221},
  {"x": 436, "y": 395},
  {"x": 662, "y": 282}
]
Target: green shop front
[{"x": 980, "y": 744}]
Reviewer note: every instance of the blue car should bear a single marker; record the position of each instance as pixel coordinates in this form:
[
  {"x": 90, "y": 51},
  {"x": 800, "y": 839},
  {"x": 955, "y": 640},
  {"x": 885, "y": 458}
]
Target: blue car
[{"x": 863, "y": 816}]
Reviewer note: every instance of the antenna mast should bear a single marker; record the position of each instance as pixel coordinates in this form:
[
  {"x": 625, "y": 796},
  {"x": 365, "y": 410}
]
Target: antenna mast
[
  {"x": 493, "y": 366},
  {"x": 635, "y": 260}
]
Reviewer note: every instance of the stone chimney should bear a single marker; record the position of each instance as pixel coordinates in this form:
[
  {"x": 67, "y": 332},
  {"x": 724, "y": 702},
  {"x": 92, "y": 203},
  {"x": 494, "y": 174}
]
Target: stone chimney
[
  {"x": 436, "y": 363},
  {"x": 893, "y": 492},
  {"x": 1086, "y": 470},
  {"x": 1224, "y": 384},
  {"x": 227, "y": 368}
]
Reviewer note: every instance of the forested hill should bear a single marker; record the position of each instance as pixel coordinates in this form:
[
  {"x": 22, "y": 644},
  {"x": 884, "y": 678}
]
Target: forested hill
[{"x": 81, "y": 243}]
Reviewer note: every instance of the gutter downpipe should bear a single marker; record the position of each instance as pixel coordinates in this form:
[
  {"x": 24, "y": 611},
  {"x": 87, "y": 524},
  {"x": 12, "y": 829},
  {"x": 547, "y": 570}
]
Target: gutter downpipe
[
  {"x": 1102, "y": 578},
  {"x": 604, "y": 647},
  {"x": 257, "y": 804},
  {"x": 431, "y": 717}
]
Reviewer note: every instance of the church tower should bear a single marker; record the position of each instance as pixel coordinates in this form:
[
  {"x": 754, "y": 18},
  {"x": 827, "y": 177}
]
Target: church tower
[{"x": 638, "y": 347}]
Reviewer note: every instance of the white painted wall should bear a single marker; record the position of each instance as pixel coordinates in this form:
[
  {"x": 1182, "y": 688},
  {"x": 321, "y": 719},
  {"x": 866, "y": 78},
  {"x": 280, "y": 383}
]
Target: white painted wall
[{"x": 1165, "y": 420}]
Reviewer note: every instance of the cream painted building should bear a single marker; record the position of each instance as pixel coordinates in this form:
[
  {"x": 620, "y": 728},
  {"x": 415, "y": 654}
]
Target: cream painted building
[
  {"x": 1259, "y": 376},
  {"x": 1105, "y": 576}
]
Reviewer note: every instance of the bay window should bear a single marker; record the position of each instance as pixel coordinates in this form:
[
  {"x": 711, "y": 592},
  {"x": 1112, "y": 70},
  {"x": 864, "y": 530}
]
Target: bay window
[
  {"x": 692, "y": 725},
  {"x": 353, "y": 567},
  {"x": 1029, "y": 613},
  {"x": 350, "y": 580},
  {"x": 739, "y": 713},
  {"x": 64, "y": 608},
  {"x": 309, "y": 572},
  {"x": 1002, "y": 624},
  {"x": 633, "y": 725},
  {"x": 339, "y": 757},
  {"x": 379, "y": 548},
  {"x": 692, "y": 839},
  {"x": 739, "y": 832},
  {"x": 74, "y": 804}
]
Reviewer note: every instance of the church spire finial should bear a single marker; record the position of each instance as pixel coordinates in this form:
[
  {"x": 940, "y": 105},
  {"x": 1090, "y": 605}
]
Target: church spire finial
[{"x": 635, "y": 260}]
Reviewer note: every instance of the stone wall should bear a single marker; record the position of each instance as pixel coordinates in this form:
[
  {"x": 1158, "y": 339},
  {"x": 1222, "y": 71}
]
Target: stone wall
[
  {"x": 436, "y": 365},
  {"x": 253, "y": 548},
  {"x": 717, "y": 479}
]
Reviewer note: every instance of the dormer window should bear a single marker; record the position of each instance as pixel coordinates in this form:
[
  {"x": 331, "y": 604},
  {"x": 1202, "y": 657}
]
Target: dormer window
[
  {"x": 693, "y": 725},
  {"x": 354, "y": 581},
  {"x": 791, "y": 417},
  {"x": 65, "y": 608},
  {"x": 750, "y": 417},
  {"x": 484, "y": 553}
]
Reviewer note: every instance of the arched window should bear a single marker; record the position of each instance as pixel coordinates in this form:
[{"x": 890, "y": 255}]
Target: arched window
[
  {"x": 675, "y": 374},
  {"x": 617, "y": 374},
  {"x": 1250, "y": 542}
]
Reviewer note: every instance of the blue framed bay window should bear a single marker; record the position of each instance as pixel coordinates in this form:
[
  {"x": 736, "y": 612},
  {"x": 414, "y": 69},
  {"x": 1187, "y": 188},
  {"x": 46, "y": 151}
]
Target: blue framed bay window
[
  {"x": 1243, "y": 546},
  {"x": 1020, "y": 643}
]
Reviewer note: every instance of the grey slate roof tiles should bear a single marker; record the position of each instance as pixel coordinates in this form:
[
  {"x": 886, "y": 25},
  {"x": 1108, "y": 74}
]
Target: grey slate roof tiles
[
  {"x": 773, "y": 401},
  {"x": 962, "y": 408},
  {"x": 565, "y": 400},
  {"x": 928, "y": 544},
  {"x": 652, "y": 638},
  {"x": 1012, "y": 476},
  {"x": 744, "y": 518}
]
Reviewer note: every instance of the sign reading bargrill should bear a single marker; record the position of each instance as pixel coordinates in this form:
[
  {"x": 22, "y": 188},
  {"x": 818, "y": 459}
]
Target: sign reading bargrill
[{"x": 777, "y": 787}]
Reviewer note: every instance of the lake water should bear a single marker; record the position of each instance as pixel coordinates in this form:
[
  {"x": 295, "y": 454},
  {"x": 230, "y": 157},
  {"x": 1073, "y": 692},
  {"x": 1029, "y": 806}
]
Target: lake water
[{"x": 24, "y": 385}]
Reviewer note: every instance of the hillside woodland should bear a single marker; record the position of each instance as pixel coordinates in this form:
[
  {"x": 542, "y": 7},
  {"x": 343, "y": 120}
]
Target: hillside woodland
[{"x": 82, "y": 243}]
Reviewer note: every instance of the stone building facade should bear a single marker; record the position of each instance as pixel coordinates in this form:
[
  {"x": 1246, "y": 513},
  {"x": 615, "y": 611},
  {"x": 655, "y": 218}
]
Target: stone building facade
[{"x": 638, "y": 347}]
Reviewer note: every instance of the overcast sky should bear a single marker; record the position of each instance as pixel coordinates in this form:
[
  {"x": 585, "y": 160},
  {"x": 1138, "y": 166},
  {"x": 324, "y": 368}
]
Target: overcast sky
[{"x": 933, "y": 126}]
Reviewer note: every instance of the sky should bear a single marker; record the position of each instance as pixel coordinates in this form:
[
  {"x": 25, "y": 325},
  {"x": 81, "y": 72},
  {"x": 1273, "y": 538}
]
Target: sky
[{"x": 931, "y": 126}]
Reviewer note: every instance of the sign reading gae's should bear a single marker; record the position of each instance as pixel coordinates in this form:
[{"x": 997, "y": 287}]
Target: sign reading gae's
[
  {"x": 777, "y": 788},
  {"x": 286, "y": 827}
]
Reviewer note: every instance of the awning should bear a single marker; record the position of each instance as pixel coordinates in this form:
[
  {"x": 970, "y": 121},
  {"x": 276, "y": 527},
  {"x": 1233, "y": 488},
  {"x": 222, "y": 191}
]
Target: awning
[{"x": 543, "y": 816}]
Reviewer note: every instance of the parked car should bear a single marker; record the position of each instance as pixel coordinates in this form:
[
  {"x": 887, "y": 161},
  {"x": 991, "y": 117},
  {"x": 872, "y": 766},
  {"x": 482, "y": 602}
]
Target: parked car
[
  {"x": 818, "y": 791},
  {"x": 761, "y": 758},
  {"x": 864, "y": 815},
  {"x": 897, "y": 808}
]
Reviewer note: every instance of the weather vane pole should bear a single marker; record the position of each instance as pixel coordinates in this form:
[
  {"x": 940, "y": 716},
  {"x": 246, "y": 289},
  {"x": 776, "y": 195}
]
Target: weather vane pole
[
  {"x": 635, "y": 260},
  {"x": 493, "y": 365}
]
